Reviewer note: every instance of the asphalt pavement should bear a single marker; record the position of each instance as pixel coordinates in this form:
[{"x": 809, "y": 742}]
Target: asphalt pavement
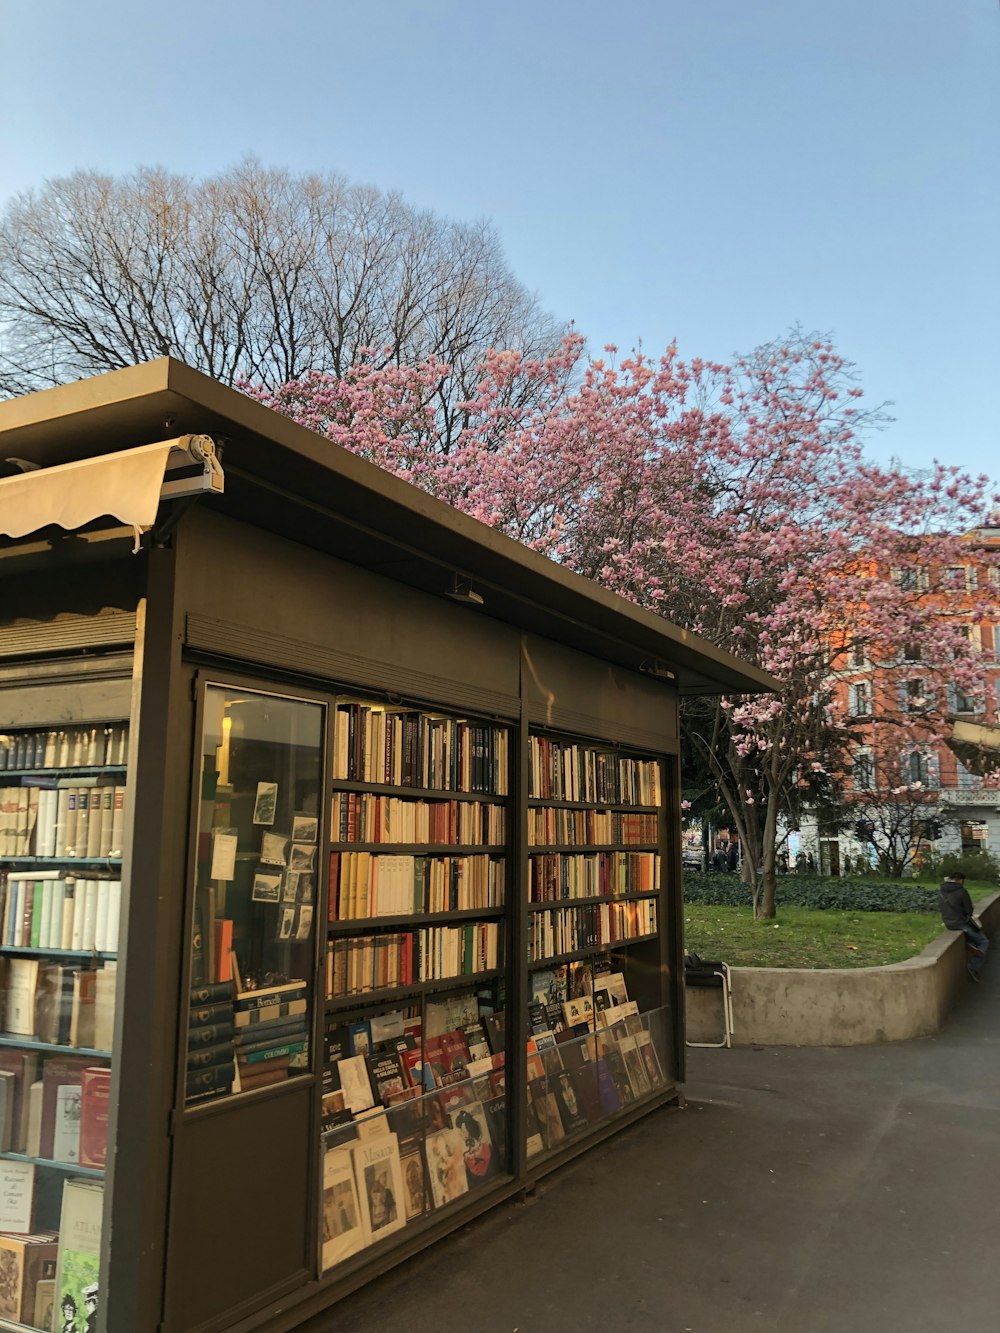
[{"x": 819, "y": 1190}]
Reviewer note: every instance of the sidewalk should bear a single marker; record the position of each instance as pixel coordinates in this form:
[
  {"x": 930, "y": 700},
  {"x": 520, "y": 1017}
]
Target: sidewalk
[{"x": 829, "y": 1190}]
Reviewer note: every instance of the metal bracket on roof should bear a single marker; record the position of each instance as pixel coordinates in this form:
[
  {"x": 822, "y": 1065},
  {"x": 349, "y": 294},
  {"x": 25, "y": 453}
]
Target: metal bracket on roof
[{"x": 193, "y": 467}]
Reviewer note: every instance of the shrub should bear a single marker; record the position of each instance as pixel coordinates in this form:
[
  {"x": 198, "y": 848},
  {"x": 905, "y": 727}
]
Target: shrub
[
  {"x": 819, "y": 891},
  {"x": 973, "y": 865}
]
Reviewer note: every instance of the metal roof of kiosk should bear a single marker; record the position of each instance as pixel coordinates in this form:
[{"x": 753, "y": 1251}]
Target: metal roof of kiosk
[{"x": 286, "y": 479}]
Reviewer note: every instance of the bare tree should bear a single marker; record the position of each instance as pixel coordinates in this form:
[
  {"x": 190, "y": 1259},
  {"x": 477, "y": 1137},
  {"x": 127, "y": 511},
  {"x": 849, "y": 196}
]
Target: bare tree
[{"x": 254, "y": 274}]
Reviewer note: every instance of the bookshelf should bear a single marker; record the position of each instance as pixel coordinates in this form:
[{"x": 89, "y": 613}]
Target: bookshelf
[
  {"x": 62, "y": 800},
  {"x": 415, "y": 969},
  {"x": 595, "y": 821}
]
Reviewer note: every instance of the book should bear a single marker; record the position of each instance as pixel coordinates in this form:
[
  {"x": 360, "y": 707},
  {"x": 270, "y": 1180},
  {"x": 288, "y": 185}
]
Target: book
[
  {"x": 95, "y": 1100},
  {"x": 22, "y": 987},
  {"x": 379, "y": 1180},
  {"x": 8, "y": 1125},
  {"x": 79, "y": 1251},
  {"x": 17, "y": 1194},
  {"x": 24, "y": 1262},
  {"x": 495, "y": 1033},
  {"x": 343, "y": 1228},
  {"x": 82, "y": 1011},
  {"x": 413, "y": 1169},
  {"x": 446, "y": 1165},
  {"x": 387, "y": 1075},
  {"x": 23, "y": 1066},
  {"x": 478, "y": 1153},
  {"x": 62, "y": 1076},
  {"x": 571, "y": 1112},
  {"x": 356, "y": 1085},
  {"x": 547, "y": 1112}
]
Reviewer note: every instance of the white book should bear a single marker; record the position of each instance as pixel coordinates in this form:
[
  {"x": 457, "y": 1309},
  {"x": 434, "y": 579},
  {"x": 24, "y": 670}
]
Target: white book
[
  {"x": 68, "y": 912},
  {"x": 69, "y": 827},
  {"x": 45, "y": 922},
  {"x": 58, "y": 904},
  {"x": 62, "y": 812},
  {"x": 76, "y": 937},
  {"x": 118, "y": 823},
  {"x": 114, "y": 914},
  {"x": 66, "y": 1136},
  {"x": 103, "y": 909},
  {"x": 90, "y": 914},
  {"x": 104, "y": 1007}
]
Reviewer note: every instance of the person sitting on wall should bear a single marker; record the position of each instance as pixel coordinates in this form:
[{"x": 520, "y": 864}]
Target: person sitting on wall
[{"x": 956, "y": 913}]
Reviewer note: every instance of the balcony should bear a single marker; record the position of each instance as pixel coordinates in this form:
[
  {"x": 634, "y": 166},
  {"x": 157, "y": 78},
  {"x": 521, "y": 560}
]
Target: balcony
[{"x": 970, "y": 796}]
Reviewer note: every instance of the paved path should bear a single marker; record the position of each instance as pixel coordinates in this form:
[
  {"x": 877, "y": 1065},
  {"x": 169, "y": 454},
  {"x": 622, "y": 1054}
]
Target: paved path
[{"x": 801, "y": 1191}]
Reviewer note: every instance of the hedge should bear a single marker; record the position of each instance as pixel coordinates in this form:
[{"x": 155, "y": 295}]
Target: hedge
[{"x": 819, "y": 891}]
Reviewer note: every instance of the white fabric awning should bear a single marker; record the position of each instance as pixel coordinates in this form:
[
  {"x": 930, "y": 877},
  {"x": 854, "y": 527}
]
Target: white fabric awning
[{"x": 125, "y": 485}]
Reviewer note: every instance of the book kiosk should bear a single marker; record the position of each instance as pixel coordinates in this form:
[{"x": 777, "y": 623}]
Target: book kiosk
[{"x": 339, "y": 861}]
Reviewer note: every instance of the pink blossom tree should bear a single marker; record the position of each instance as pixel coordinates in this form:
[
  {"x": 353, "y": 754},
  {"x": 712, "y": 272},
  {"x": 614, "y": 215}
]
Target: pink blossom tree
[{"x": 736, "y": 500}]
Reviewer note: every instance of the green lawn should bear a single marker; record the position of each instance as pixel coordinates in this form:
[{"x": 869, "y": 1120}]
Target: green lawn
[{"x": 804, "y": 937}]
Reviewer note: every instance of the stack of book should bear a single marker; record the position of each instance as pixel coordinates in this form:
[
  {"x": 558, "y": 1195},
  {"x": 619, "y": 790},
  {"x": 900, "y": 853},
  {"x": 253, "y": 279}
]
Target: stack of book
[
  {"x": 210, "y": 1041},
  {"x": 271, "y": 1032}
]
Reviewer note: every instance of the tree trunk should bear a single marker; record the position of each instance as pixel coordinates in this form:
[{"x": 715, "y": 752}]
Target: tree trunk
[{"x": 764, "y": 907}]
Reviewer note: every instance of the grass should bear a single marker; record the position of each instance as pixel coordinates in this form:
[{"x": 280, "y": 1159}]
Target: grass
[{"x": 805, "y": 937}]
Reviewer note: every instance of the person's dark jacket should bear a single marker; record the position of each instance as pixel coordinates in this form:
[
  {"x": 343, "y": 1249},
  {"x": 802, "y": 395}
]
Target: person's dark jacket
[{"x": 955, "y": 903}]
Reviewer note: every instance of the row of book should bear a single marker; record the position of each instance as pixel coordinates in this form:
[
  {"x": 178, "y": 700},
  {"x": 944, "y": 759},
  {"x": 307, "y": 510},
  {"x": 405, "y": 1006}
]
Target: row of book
[
  {"x": 240, "y": 1040},
  {"x": 59, "y": 1002},
  {"x": 51, "y": 1279},
  {"x": 563, "y": 771},
  {"x": 366, "y": 884},
  {"x": 358, "y": 964},
  {"x": 550, "y": 826},
  {"x": 53, "y": 1108},
  {"x": 556, "y": 875},
  {"x": 570, "y": 929},
  {"x": 50, "y": 910},
  {"x": 72, "y": 747},
  {"x": 367, "y": 817},
  {"x": 79, "y": 820},
  {"x": 403, "y": 748}
]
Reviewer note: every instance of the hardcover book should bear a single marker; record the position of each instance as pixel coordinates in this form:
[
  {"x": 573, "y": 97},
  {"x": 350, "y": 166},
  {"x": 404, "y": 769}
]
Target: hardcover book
[
  {"x": 479, "y": 1154},
  {"x": 24, "y": 1262},
  {"x": 343, "y": 1230},
  {"x": 413, "y": 1168},
  {"x": 95, "y": 1099},
  {"x": 79, "y": 1257},
  {"x": 379, "y": 1180},
  {"x": 446, "y": 1166}
]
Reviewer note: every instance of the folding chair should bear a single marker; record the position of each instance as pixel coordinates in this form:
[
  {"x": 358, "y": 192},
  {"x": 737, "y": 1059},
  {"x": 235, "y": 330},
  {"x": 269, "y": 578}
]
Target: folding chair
[{"x": 701, "y": 974}]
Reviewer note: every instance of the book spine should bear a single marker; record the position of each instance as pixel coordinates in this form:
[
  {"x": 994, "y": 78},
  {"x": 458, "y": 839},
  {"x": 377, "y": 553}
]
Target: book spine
[{"x": 82, "y": 821}]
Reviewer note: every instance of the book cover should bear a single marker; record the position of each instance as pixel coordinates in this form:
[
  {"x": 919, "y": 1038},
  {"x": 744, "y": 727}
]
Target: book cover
[
  {"x": 572, "y": 1114},
  {"x": 95, "y": 1100},
  {"x": 24, "y": 1261},
  {"x": 8, "y": 1124},
  {"x": 650, "y": 1060},
  {"x": 495, "y": 1110},
  {"x": 17, "y": 1195},
  {"x": 22, "y": 987},
  {"x": 82, "y": 1011},
  {"x": 23, "y": 1066},
  {"x": 546, "y": 1111},
  {"x": 629, "y": 1049},
  {"x": 343, "y": 1229},
  {"x": 62, "y": 1076},
  {"x": 79, "y": 1252},
  {"x": 446, "y": 1166},
  {"x": 413, "y": 1169},
  {"x": 355, "y": 1083},
  {"x": 495, "y": 1032},
  {"x": 478, "y": 1152},
  {"x": 387, "y": 1075},
  {"x": 378, "y": 1175}
]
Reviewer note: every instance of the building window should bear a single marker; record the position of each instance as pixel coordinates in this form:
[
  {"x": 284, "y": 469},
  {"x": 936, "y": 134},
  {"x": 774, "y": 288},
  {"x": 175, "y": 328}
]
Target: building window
[
  {"x": 912, "y": 697},
  {"x": 912, "y": 578},
  {"x": 863, "y": 772},
  {"x": 961, "y": 577},
  {"x": 918, "y": 768},
  {"x": 860, "y": 699},
  {"x": 965, "y": 703},
  {"x": 965, "y": 778},
  {"x": 859, "y": 654}
]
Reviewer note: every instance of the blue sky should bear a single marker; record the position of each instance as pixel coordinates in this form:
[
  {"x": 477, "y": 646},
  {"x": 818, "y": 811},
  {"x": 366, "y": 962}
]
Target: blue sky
[{"x": 710, "y": 170}]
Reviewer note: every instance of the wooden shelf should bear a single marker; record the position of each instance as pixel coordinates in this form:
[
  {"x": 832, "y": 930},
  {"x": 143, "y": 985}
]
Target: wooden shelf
[
  {"x": 19, "y": 951},
  {"x": 418, "y": 793},
  {"x": 365, "y": 999},
  {"x": 589, "y": 952},
  {"x": 363, "y": 925},
  {"x": 558, "y": 904},
  {"x": 32, "y": 1044},
  {"x": 498, "y": 849},
  {"x": 535, "y": 802},
  {"x": 81, "y": 770},
  {"x": 77, "y": 1170},
  {"x": 586, "y": 848},
  {"x": 91, "y": 862}
]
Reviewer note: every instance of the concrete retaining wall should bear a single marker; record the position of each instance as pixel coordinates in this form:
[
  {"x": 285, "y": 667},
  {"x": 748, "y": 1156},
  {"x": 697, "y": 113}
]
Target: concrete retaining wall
[{"x": 843, "y": 1006}]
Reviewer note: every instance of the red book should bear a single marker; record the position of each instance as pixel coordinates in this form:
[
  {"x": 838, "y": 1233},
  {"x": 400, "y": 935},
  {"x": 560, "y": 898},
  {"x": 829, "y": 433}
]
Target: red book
[
  {"x": 95, "y": 1099},
  {"x": 223, "y": 949}
]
